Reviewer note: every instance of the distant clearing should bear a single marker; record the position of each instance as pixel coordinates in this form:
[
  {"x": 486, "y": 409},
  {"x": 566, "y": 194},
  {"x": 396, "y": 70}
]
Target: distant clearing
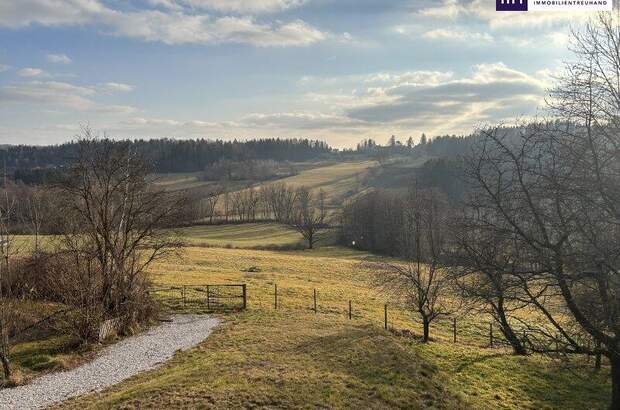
[
  {"x": 178, "y": 181},
  {"x": 338, "y": 181},
  {"x": 242, "y": 235}
]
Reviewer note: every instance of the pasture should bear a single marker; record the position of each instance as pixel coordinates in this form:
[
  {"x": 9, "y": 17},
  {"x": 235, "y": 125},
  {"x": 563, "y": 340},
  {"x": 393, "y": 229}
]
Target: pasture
[
  {"x": 253, "y": 235},
  {"x": 339, "y": 181},
  {"x": 294, "y": 357}
]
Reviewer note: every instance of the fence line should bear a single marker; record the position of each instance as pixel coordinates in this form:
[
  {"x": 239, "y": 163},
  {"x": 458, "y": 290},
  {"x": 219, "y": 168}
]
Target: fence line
[
  {"x": 470, "y": 333},
  {"x": 213, "y": 296}
]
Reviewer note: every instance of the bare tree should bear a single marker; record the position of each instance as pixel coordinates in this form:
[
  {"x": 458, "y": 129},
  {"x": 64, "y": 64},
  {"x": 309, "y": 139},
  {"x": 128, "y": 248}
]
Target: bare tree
[
  {"x": 7, "y": 217},
  {"x": 211, "y": 201},
  {"x": 587, "y": 98},
  {"x": 280, "y": 199},
  {"x": 113, "y": 232},
  {"x": 35, "y": 214},
  {"x": 562, "y": 218},
  {"x": 226, "y": 205},
  {"x": 309, "y": 215},
  {"x": 486, "y": 272},
  {"x": 422, "y": 283}
]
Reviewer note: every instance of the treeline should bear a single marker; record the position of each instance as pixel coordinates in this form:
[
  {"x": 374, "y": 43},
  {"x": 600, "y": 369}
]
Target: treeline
[
  {"x": 440, "y": 146},
  {"x": 166, "y": 155},
  {"x": 381, "y": 221},
  {"x": 267, "y": 203},
  {"x": 444, "y": 174}
]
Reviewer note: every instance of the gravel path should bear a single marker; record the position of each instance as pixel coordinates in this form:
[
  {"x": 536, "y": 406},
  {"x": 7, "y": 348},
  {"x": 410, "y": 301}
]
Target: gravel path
[{"x": 113, "y": 365}]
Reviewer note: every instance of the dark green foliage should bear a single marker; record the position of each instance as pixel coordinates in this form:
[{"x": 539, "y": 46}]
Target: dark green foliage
[{"x": 163, "y": 155}]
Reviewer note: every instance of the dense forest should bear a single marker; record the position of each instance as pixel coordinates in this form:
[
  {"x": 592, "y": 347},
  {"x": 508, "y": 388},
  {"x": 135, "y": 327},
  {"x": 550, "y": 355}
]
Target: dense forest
[{"x": 168, "y": 155}]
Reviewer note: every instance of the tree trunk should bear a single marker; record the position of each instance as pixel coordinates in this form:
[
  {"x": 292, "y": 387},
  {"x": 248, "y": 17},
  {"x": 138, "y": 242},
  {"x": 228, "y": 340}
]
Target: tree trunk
[
  {"x": 517, "y": 345},
  {"x": 614, "y": 361},
  {"x": 426, "y": 324},
  {"x": 310, "y": 241},
  {"x": 6, "y": 365}
]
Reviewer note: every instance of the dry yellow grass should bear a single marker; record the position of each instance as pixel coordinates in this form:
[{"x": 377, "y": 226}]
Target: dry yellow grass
[
  {"x": 339, "y": 181},
  {"x": 242, "y": 235}
]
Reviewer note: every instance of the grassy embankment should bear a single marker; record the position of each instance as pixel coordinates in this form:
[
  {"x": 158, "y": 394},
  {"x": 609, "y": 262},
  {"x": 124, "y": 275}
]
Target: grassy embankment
[{"x": 39, "y": 346}]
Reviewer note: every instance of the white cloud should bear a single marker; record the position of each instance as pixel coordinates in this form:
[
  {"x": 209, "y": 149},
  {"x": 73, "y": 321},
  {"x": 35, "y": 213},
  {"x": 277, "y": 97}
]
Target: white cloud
[
  {"x": 407, "y": 103},
  {"x": 23, "y": 13},
  {"x": 235, "y": 6},
  {"x": 31, "y": 72},
  {"x": 140, "y": 122},
  {"x": 170, "y": 26},
  {"x": 380, "y": 78},
  {"x": 48, "y": 92},
  {"x": 58, "y": 94},
  {"x": 299, "y": 120},
  {"x": 178, "y": 28},
  {"x": 409, "y": 77},
  {"x": 116, "y": 87},
  {"x": 58, "y": 58},
  {"x": 458, "y": 35},
  {"x": 493, "y": 92},
  {"x": 112, "y": 109},
  {"x": 4, "y": 67}
]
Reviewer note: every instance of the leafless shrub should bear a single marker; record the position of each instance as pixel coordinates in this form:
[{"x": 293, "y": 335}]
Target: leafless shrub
[
  {"x": 309, "y": 215},
  {"x": 422, "y": 283},
  {"x": 112, "y": 234}
]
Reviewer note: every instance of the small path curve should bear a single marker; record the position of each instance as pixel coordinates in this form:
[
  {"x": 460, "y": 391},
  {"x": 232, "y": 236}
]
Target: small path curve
[{"x": 113, "y": 364}]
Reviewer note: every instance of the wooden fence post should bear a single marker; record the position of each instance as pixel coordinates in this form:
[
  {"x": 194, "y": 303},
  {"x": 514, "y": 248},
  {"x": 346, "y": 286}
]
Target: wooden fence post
[
  {"x": 183, "y": 296},
  {"x": 454, "y": 329},
  {"x": 208, "y": 298},
  {"x": 275, "y": 301},
  {"x": 350, "y": 310},
  {"x": 491, "y": 334},
  {"x": 315, "y": 301},
  {"x": 385, "y": 316},
  {"x": 245, "y": 296}
]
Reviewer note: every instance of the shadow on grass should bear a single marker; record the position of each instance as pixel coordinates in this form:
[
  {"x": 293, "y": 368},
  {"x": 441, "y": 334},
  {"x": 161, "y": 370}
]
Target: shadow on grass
[
  {"x": 488, "y": 378},
  {"x": 478, "y": 359},
  {"x": 394, "y": 374}
]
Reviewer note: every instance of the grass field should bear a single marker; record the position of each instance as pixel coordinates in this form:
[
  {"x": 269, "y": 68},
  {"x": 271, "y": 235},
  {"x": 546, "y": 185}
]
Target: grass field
[
  {"x": 178, "y": 181},
  {"x": 294, "y": 357},
  {"x": 192, "y": 180},
  {"x": 243, "y": 236},
  {"x": 338, "y": 181}
]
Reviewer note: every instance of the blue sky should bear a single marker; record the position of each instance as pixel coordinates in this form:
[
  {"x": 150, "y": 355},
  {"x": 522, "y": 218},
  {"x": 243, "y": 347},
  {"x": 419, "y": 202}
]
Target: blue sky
[{"x": 338, "y": 70}]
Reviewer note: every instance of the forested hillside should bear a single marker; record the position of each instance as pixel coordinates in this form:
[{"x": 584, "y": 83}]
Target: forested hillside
[{"x": 167, "y": 155}]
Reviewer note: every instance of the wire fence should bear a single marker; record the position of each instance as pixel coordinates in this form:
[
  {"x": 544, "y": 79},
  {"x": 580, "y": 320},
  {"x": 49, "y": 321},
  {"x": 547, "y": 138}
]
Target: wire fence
[
  {"x": 465, "y": 329},
  {"x": 212, "y": 297}
]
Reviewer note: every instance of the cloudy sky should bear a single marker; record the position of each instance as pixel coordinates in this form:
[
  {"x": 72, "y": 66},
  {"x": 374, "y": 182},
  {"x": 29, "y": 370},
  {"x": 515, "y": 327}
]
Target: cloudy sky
[{"x": 339, "y": 70}]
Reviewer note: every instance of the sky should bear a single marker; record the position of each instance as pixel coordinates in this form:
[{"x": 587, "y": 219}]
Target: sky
[{"x": 336, "y": 70}]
